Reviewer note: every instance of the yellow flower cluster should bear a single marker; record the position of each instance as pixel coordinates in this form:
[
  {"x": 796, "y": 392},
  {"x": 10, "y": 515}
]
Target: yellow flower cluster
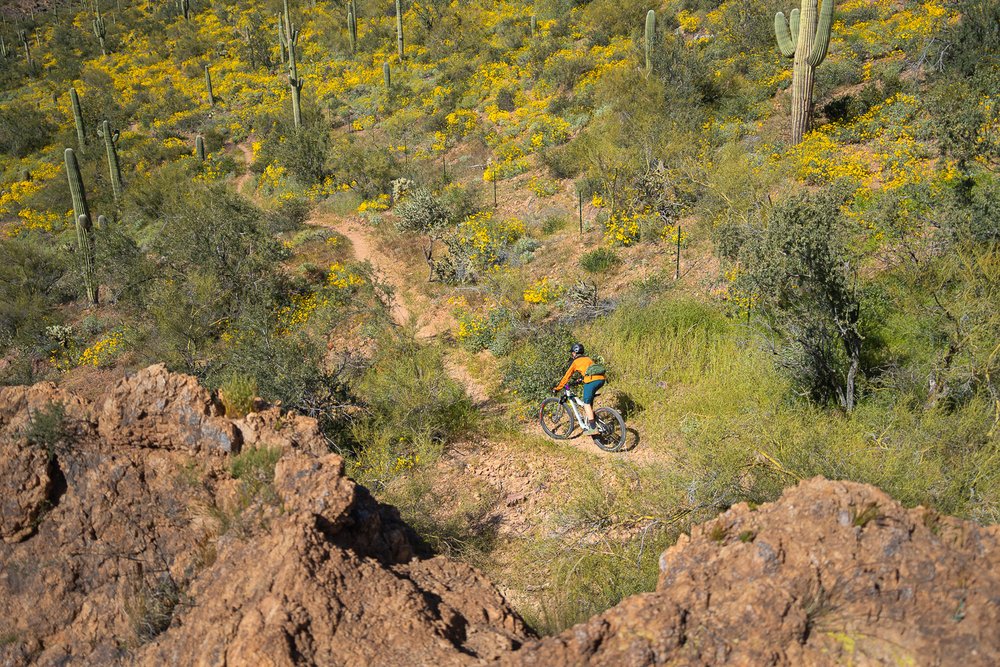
[
  {"x": 102, "y": 351},
  {"x": 689, "y": 22},
  {"x": 543, "y": 291},
  {"x": 298, "y": 312},
  {"x": 380, "y": 203},
  {"x": 340, "y": 277},
  {"x": 273, "y": 177},
  {"x": 673, "y": 234},
  {"x": 32, "y": 220},
  {"x": 820, "y": 159},
  {"x": 622, "y": 228},
  {"x": 486, "y": 236},
  {"x": 543, "y": 187}
]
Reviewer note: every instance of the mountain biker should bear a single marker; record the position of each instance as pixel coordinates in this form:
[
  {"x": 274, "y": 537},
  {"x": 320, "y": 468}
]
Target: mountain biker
[{"x": 580, "y": 363}]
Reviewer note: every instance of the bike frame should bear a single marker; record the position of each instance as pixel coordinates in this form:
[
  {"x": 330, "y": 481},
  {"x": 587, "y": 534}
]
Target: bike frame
[{"x": 576, "y": 405}]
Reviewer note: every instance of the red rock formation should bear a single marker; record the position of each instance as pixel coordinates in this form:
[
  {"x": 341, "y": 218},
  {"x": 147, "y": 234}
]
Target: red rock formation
[{"x": 126, "y": 540}]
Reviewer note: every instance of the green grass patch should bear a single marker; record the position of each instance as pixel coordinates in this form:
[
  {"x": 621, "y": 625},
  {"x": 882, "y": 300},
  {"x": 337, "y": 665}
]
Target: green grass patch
[{"x": 600, "y": 260}]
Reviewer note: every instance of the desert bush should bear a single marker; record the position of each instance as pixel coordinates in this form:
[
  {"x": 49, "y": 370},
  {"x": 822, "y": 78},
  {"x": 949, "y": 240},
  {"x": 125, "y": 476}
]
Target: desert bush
[
  {"x": 24, "y": 130},
  {"x": 536, "y": 364},
  {"x": 30, "y": 280},
  {"x": 803, "y": 274},
  {"x": 600, "y": 260}
]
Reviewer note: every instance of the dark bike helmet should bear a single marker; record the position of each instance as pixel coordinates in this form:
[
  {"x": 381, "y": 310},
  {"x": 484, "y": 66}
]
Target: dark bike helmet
[{"x": 577, "y": 348}]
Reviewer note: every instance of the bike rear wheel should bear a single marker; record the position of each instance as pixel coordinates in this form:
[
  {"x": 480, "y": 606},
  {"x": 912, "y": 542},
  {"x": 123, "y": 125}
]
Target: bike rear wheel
[
  {"x": 611, "y": 427},
  {"x": 555, "y": 419}
]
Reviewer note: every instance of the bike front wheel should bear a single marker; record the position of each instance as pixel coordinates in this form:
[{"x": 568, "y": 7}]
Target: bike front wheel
[
  {"x": 555, "y": 419},
  {"x": 611, "y": 429}
]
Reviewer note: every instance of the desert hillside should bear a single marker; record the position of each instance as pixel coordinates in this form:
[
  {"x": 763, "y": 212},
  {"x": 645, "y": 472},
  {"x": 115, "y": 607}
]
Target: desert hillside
[{"x": 248, "y": 243}]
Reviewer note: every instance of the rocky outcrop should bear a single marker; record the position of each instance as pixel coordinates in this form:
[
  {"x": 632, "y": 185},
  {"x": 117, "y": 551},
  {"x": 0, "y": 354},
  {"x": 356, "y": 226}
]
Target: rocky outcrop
[
  {"x": 833, "y": 573},
  {"x": 127, "y": 540},
  {"x": 157, "y": 408}
]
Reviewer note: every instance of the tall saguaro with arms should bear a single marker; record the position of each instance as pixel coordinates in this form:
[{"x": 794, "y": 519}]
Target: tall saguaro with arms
[{"x": 805, "y": 36}]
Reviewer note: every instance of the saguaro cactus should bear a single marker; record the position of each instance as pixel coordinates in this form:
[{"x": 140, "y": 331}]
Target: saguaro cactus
[
  {"x": 650, "y": 38},
  {"x": 184, "y": 7},
  {"x": 294, "y": 82},
  {"x": 4, "y": 51},
  {"x": 100, "y": 30},
  {"x": 84, "y": 228},
  {"x": 282, "y": 42},
  {"x": 352, "y": 25},
  {"x": 208, "y": 87},
  {"x": 81, "y": 134},
  {"x": 22, "y": 35},
  {"x": 199, "y": 148},
  {"x": 399, "y": 29},
  {"x": 110, "y": 139},
  {"x": 534, "y": 26},
  {"x": 806, "y": 40},
  {"x": 387, "y": 75}
]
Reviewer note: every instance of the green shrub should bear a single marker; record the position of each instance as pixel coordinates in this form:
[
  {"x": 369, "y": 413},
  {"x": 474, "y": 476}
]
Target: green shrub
[
  {"x": 537, "y": 364},
  {"x": 237, "y": 394},
  {"x": 553, "y": 223},
  {"x": 24, "y": 130},
  {"x": 600, "y": 260},
  {"x": 47, "y": 427}
]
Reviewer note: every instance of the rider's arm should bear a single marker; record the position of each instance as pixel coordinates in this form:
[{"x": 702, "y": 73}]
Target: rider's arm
[{"x": 569, "y": 374}]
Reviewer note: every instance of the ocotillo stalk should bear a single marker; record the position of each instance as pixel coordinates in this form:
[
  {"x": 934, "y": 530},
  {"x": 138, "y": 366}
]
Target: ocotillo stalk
[
  {"x": 650, "y": 37},
  {"x": 84, "y": 230},
  {"x": 199, "y": 148},
  {"x": 208, "y": 87},
  {"x": 677, "y": 268},
  {"x": 352, "y": 26},
  {"x": 110, "y": 139},
  {"x": 399, "y": 29},
  {"x": 806, "y": 40},
  {"x": 579, "y": 205},
  {"x": 100, "y": 30},
  {"x": 81, "y": 134},
  {"x": 387, "y": 75}
]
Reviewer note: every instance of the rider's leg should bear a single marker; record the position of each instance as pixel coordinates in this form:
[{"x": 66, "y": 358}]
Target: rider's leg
[{"x": 588, "y": 410}]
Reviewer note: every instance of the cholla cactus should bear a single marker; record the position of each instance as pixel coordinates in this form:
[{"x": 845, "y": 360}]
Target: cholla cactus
[
  {"x": 110, "y": 139},
  {"x": 806, "y": 40}
]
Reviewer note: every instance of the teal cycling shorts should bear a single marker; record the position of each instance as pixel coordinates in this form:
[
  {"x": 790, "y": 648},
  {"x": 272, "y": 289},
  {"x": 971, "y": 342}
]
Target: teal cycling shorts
[{"x": 590, "y": 389}]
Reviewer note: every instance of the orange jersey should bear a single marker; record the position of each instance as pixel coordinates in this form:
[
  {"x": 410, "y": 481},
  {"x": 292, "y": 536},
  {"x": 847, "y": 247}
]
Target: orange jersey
[{"x": 580, "y": 364}]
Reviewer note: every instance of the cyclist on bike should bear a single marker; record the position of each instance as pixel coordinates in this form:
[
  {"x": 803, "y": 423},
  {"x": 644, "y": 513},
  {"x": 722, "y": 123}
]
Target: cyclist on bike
[{"x": 580, "y": 363}]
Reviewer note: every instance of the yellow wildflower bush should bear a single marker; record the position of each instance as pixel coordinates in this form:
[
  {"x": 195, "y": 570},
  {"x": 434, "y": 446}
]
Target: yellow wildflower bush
[
  {"x": 543, "y": 291},
  {"x": 380, "y": 203},
  {"x": 484, "y": 237},
  {"x": 102, "y": 352}
]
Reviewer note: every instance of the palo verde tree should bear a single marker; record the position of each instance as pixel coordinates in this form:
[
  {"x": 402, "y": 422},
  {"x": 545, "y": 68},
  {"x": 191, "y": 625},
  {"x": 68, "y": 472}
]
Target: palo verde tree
[
  {"x": 801, "y": 274},
  {"x": 806, "y": 38}
]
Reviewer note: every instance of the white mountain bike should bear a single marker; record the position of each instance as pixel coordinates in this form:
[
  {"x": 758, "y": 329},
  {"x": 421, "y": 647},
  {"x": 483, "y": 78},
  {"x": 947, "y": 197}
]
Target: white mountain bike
[{"x": 560, "y": 416}]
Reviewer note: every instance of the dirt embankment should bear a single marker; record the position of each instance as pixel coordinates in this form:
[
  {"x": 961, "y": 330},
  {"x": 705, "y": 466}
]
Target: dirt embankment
[{"x": 127, "y": 540}]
